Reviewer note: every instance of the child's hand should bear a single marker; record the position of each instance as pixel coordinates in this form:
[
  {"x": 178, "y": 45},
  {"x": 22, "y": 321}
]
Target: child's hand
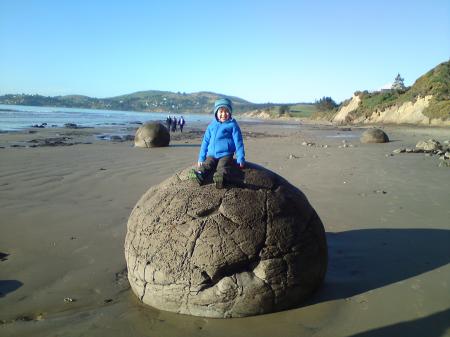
[
  {"x": 241, "y": 165},
  {"x": 200, "y": 164}
]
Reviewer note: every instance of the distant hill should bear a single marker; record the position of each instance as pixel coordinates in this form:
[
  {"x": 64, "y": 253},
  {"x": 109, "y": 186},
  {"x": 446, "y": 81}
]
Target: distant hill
[
  {"x": 427, "y": 101},
  {"x": 152, "y": 101}
]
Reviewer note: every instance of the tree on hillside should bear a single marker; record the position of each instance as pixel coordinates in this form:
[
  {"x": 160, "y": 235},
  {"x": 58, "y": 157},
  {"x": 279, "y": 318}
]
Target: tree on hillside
[
  {"x": 284, "y": 109},
  {"x": 325, "y": 103},
  {"x": 398, "y": 83}
]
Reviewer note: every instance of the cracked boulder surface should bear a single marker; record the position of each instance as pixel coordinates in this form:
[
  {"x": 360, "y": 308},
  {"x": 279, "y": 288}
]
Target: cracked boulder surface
[
  {"x": 152, "y": 134},
  {"x": 234, "y": 252}
]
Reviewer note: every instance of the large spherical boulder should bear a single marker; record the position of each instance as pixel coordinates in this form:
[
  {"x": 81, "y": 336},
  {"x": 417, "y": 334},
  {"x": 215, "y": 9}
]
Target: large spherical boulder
[
  {"x": 374, "y": 136},
  {"x": 152, "y": 134},
  {"x": 254, "y": 247}
]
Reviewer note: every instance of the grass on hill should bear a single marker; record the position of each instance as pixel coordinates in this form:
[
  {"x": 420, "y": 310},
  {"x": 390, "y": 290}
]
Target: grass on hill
[
  {"x": 300, "y": 110},
  {"x": 436, "y": 82},
  {"x": 303, "y": 110}
]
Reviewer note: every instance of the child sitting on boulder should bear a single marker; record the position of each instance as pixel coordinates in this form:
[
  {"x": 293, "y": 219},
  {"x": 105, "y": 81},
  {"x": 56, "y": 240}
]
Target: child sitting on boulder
[{"x": 222, "y": 139}]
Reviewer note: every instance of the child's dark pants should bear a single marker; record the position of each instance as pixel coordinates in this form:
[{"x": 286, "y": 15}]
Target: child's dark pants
[{"x": 222, "y": 166}]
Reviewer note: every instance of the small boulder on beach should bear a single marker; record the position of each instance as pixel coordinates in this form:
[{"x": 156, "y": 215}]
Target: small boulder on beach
[
  {"x": 429, "y": 145},
  {"x": 374, "y": 136},
  {"x": 152, "y": 134},
  {"x": 71, "y": 126},
  {"x": 245, "y": 250}
]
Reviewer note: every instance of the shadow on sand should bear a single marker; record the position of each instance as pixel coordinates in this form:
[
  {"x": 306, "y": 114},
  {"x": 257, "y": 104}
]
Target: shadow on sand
[
  {"x": 8, "y": 286},
  {"x": 366, "y": 259},
  {"x": 431, "y": 326}
]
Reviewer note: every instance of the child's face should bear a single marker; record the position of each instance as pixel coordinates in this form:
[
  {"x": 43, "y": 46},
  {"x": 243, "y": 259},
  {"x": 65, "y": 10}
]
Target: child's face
[{"x": 223, "y": 114}]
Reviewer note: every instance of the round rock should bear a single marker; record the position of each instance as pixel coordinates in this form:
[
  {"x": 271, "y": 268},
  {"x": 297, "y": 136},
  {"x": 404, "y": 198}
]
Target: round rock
[
  {"x": 254, "y": 247},
  {"x": 374, "y": 136},
  {"x": 152, "y": 134},
  {"x": 429, "y": 145}
]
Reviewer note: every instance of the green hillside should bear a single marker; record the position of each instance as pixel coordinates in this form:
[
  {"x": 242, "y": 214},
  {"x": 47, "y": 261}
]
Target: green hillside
[
  {"x": 436, "y": 82},
  {"x": 299, "y": 110},
  {"x": 303, "y": 110}
]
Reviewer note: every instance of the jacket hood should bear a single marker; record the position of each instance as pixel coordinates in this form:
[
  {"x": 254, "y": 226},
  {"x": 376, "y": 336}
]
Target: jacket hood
[{"x": 223, "y": 102}]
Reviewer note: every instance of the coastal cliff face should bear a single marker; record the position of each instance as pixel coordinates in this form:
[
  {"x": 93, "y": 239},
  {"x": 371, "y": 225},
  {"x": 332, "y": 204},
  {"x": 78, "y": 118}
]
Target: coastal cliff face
[
  {"x": 407, "y": 113},
  {"x": 342, "y": 115}
]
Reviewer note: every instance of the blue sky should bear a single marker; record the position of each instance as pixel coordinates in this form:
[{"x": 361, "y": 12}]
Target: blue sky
[{"x": 263, "y": 51}]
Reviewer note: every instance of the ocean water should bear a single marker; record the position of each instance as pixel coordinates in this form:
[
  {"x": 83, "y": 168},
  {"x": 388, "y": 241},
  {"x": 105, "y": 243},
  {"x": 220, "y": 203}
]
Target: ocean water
[{"x": 18, "y": 117}]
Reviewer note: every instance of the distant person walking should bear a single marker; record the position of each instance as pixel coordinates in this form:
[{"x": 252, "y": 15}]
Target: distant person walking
[
  {"x": 168, "y": 122},
  {"x": 174, "y": 124},
  {"x": 181, "y": 123}
]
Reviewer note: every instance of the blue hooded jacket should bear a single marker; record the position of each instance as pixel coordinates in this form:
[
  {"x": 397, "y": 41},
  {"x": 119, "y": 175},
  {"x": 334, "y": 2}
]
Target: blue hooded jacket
[{"x": 222, "y": 139}]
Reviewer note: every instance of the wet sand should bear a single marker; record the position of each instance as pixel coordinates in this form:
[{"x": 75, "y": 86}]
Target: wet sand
[{"x": 64, "y": 209}]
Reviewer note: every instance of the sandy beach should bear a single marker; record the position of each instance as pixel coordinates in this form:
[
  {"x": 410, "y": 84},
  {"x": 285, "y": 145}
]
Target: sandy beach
[{"x": 64, "y": 210}]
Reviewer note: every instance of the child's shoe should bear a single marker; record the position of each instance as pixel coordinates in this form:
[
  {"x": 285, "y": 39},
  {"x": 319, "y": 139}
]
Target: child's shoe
[
  {"x": 218, "y": 180},
  {"x": 196, "y": 175}
]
